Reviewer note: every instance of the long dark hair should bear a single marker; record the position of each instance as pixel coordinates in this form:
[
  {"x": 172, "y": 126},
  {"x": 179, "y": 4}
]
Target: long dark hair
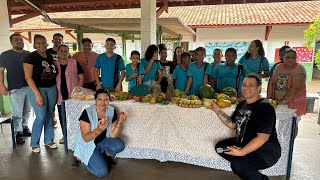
[
  {"x": 150, "y": 51},
  {"x": 175, "y": 58},
  {"x": 258, "y": 44}
]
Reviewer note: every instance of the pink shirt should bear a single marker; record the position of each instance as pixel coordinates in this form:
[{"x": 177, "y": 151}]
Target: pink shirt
[{"x": 87, "y": 64}]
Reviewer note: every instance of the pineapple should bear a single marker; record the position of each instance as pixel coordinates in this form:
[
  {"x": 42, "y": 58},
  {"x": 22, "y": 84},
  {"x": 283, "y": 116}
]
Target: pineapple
[
  {"x": 170, "y": 89},
  {"x": 156, "y": 91}
]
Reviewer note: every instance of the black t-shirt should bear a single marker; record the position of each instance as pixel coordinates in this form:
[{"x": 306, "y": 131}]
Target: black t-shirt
[
  {"x": 258, "y": 117},
  {"x": 84, "y": 117},
  {"x": 44, "y": 72},
  {"x": 167, "y": 69},
  {"x": 53, "y": 53},
  {"x": 13, "y": 62},
  {"x": 63, "y": 85}
]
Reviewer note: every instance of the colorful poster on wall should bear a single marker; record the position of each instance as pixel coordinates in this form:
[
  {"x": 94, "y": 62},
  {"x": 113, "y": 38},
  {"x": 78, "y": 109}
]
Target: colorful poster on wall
[
  {"x": 240, "y": 46},
  {"x": 304, "y": 55}
]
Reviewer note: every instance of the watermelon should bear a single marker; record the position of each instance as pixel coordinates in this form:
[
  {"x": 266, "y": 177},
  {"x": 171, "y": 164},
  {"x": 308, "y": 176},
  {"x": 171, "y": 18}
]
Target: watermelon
[
  {"x": 206, "y": 91},
  {"x": 231, "y": 92},
  {"x": 140, "y": 90}
]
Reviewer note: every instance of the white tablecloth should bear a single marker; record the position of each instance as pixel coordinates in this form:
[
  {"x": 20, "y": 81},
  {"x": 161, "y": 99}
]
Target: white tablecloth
[{"x": 173, "y": 133}]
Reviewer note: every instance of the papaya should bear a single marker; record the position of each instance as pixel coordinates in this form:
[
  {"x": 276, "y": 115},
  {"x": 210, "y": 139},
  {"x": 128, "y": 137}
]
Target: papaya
[
  {"x": 224, "y": 103},
  {"x": 223, "y": 96}
]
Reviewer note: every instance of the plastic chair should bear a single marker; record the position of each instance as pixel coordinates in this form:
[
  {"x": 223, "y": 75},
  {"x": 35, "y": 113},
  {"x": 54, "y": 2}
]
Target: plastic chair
[{"x": 7, "y": 119}]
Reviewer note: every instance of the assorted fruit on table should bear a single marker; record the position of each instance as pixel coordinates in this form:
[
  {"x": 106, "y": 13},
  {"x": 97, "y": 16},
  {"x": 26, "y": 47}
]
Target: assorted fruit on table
[
  {"x": 207, "y": 96},
  {"x": 120, "y": 96},
  {"x": 274, "y": 103}
]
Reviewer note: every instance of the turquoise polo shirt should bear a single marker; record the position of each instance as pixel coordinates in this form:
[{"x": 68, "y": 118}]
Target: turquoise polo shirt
[
  {"x": 129, "y": 73},
  {"x": 197, "y": 74},
  {"x": 107, "y": 68},
  {"x": 227, "y": 76},
  {"x": 254, "y": 64},
  {"x": 180, "y": 78},
  {"x": 153, "y": 71}
]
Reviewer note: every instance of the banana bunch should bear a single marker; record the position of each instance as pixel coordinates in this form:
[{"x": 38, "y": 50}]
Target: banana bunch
[
  {"x": 175, "y": 100},
  {"x": 190, "y": 103}
]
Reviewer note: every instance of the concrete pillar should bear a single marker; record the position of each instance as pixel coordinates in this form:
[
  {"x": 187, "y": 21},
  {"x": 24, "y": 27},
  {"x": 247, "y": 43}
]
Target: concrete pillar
[
  {"x": 148, "y": 24},
  {"x": 4, "y": 27}
]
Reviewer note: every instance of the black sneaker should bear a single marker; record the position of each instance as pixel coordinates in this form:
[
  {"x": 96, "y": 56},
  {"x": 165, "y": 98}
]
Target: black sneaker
[
  {"x": 19, "y": 138},
  {"x": 76, "y": 162},
  {"x": 26, "y": 132}
]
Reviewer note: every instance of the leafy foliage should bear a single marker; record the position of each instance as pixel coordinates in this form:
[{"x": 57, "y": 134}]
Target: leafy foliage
[{"x": 311, "y": 35}]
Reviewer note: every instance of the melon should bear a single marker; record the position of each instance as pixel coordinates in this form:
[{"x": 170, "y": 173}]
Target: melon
[
  {"x": 206, "y": 91},
  {"x": 231, "y": 92}
]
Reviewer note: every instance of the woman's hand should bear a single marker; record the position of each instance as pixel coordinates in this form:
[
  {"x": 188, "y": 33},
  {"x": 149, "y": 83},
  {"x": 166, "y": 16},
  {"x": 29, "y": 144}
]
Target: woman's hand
[
  {"x": 102, "y": 125},
  {"x": 122, "y": 119},
  {"x": 234, "y": 151},
  {"x": 39, "y": 100}
]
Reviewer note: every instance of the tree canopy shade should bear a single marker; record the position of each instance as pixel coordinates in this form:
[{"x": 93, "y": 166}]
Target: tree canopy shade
[{"x": 311, "y": 35}]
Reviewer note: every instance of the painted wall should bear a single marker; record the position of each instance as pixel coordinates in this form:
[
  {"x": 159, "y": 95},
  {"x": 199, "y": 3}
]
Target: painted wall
[{"x": 277, "y": 38}]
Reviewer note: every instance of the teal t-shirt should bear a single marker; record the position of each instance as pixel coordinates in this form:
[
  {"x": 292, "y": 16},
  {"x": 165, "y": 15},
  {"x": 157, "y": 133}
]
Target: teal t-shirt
[
  {"x": 107, "y": 68},
  {"x": 197, "y": 74},
  {"x": 254, "y": 64},
  {"x": 153, "y": 71},
  {"x": 227, "y": 76},
  {"x": 180, "y": 78},
  {"x": 129, "y": 73}
]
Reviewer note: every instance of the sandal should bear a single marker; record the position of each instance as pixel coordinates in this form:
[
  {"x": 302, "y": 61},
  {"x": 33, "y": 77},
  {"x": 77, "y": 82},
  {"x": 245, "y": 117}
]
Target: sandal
[
  {"x": 61, "y": 141},
  {"x": 51, "y": 145},
  {"x": 36, "y": 149}
]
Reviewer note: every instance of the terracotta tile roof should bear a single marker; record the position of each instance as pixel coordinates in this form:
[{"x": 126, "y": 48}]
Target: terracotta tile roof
[
  {"x": 302, "y": 12},
  {"x": 247, "y": 14}
]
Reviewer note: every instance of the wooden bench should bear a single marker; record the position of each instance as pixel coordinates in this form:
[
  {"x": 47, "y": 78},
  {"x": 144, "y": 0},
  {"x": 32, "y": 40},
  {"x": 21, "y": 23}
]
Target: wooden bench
[{"x": 7, "y": 118}]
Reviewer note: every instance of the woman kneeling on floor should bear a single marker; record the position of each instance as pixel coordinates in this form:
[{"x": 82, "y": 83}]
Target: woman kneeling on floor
[{"x": 97, "y": 143}]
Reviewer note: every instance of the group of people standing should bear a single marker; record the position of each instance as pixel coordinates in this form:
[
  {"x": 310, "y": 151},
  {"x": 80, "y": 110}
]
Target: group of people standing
[{"x": 44, "y": 78}]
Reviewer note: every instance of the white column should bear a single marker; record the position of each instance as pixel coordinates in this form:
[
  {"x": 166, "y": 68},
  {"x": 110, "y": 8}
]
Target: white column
[
  {"x": 4, "y": 27},
  {"x": 148, "y": 24}
]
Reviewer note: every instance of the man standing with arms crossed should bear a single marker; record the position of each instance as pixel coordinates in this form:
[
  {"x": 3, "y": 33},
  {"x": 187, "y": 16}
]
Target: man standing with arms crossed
[{"x": 12, "y": 61}]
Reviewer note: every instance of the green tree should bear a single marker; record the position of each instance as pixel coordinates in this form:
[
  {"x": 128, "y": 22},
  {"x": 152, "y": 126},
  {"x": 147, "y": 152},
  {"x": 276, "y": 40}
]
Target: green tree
[{"x": 311, "y": 35}]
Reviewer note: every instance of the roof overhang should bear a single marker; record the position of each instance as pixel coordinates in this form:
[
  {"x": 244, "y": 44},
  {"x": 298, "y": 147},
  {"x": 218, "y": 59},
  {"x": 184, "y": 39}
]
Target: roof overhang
[{"x": 173, "y": 26}]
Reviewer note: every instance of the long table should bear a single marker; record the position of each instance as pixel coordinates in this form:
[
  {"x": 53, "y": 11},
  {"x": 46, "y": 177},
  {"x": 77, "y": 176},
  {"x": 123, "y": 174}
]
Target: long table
[{"x": 173, "y": 133}]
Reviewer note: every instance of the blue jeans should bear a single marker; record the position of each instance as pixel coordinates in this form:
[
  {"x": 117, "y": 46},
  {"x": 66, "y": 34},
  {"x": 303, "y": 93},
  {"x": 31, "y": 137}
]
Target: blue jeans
[
  {"x": 43, "y": 115},
  {"x": 21, "y": 108},
  {"x": 97, "y": 164}
]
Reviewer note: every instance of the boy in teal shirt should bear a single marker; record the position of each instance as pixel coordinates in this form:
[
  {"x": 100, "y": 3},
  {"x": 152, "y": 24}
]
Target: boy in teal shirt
[
  {"x": 134, "y": 70},
  {"x": 180, "y": 72},
  {"x": 111, "y": 66},
  {"x": 197, "y": 72},
  {"x": 230, "y": 74}
]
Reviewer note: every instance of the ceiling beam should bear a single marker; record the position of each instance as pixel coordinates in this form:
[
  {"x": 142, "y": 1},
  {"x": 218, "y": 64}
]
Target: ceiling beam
[
  {"x": 68, "y": 32},
  {"x": 24, "y": 17},
  {"x": 29, "y": 38},
  {"x": 38, "y": 10},
  {"x": 164, "y": 7},
  {"x": 9, "y": 5},
  {"x": 267, "y": 33}
]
